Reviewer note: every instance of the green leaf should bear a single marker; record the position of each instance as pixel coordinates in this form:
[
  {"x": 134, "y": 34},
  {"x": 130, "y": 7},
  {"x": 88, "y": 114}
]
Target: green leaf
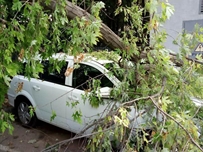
[
  {"x": 53, "y": 116},
  {"x": 150, "y": 58},
  {"x": 32, "y": 109},
  {"x": 4, "y": 125},
  {"x": 77, "y": 116},
  {"x": 67, "y": 103},
  {"x": 74, "y": 104},
  {"x": 7, "y": 80},
  {"x": 12, "y": 69},
  {"x": 17, "y": 5}
]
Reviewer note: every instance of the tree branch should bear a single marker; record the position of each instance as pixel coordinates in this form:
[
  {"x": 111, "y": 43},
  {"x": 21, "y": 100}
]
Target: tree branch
[
  {"x": 166, "y": 114},
  {"x": 129, "y": 103},
  {"x": 3, "y": 21},
  {"x": 48, "y": 149},
  {"x": 152, "y": 99},
  {"x": 111, "y": 39},
  {"x": 6, "y": 23}
]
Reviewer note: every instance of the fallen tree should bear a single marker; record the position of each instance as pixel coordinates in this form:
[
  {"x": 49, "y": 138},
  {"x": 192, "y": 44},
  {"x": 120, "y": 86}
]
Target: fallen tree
[
  {"x": 111, "y": 39},
  {"x": 108, "y": 36},
  {"x": 159, "y": 86}
]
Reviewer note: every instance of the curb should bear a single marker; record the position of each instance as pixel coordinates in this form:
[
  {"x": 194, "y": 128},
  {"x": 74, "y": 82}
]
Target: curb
[{"x": 6, "y": 149}]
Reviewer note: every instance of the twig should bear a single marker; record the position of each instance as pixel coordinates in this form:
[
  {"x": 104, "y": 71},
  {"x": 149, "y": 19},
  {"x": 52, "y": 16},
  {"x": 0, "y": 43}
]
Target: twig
[
  {"x": 189, "y": 135},
  {"x": 127, "y": 103},
  {"x": 152, "y": 99},
  {"x": 74, "y": 138},
  {"x": 6, "y": 22},
  {"x": 3, "y": 21},
  {"x": 3, "y": 140},
  {"x": 197, "y": 111},
  {"x": 148, "y": 97},
  {"x": 99, "y": 120},
  {"x": 131, "y": 132},
  {"x": 186, "y": 146},
  {"x": 173, "y": 55},
  {"x": 20, "y": 8},
  {"x": 81, "y": 134},
  {"x": 164, "y": 121}
]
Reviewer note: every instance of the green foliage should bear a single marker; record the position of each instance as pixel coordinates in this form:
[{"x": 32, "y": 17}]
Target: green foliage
[
  {"x": 95, "y": 8},
  {"x": 31, "y": 110},
  {"x": 77, "y": 116},
  {"x": 6, "y": 122},
  {"x": 74, "y": 104},
  {"x": 79, "y": 27},
  {"x": 28, "y": 29},
  {"x": 105, "y": 55},
  {"x": 148, "y": 83},
  {"x": 182, "y": 83},
  {"x": 3, "y": 90},
  {"x": 53, "y": 116},
  {"x": 123, "y": 119}
]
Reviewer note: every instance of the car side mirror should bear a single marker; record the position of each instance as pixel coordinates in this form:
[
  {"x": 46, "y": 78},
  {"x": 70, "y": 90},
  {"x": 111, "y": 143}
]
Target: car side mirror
[{"x": 104, "y": 92}]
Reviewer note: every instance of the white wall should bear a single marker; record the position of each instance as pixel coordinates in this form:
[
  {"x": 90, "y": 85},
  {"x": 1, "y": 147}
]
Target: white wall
[{"x": 184, "y": 10}]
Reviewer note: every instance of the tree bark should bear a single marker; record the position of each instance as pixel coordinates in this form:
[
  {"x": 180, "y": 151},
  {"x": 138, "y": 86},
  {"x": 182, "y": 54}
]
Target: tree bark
[
  {"x": 108, "y": 36},
  {"x": 111, "y": 39}
]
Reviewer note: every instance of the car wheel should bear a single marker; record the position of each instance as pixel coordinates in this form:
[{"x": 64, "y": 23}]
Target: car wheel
[{"x": 23, "y": 112}]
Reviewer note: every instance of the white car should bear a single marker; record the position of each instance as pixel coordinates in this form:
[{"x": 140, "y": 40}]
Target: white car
[{"x": 57, "y": 92}]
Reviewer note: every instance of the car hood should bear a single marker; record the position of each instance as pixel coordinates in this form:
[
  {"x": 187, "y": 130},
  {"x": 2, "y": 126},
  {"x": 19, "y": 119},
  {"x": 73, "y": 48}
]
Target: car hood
[{"x": 197, "y": 102}]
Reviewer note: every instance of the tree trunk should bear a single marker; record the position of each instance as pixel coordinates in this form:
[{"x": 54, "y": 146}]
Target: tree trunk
[
  {"x": 111, "y": 39},
  {"x": 108, "y": 36}
]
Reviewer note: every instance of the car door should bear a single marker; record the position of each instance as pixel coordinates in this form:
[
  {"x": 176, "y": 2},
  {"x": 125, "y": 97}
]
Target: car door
[
  {"x": 81, "y": 82},
  {"x": 50, "y": 95}
]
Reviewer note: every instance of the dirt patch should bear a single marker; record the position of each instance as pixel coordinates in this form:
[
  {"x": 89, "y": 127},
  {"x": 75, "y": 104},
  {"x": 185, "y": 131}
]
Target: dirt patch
[{"x": 36, "y": 139}]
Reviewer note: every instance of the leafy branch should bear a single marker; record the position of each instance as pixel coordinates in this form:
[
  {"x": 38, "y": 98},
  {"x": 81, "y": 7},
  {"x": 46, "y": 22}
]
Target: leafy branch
[
  {"x": 130, "y": 103},
  {"x": 191, "y": 138},
  {"x": 166, "y": 114}
]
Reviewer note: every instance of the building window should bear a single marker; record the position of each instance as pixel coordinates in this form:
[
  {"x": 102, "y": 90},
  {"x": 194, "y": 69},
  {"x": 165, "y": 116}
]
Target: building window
[
  {"x": 189, "y": 26},
  {"x": 201, "y": 7}
]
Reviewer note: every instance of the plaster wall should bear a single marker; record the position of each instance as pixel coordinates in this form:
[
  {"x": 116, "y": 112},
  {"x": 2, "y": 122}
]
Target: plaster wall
[{"x": 185, "y": 10}]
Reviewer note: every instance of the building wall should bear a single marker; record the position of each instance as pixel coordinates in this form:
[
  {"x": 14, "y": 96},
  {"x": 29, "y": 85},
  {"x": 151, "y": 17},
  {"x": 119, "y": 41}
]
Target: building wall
[{"x": 185, "y": 10}]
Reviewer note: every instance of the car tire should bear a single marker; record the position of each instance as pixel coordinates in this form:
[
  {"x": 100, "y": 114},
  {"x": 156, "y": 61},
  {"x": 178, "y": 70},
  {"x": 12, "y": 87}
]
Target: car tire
[{"x": 23, "y": 113}]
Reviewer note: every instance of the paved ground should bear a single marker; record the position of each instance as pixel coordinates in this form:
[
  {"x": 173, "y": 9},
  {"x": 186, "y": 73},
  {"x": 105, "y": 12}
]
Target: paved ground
[{"x": 36, "y": 139}]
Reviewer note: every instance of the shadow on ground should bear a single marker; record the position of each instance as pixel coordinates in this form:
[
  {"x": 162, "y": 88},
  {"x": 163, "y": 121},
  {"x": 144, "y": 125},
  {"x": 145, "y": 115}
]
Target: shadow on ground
[{"x": 36, "y": 139}]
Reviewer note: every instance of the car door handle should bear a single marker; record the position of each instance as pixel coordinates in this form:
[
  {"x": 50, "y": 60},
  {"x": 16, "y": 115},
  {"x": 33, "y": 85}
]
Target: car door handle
[
  {"x": 36, "y": 88},
  {"x": 74, "y": 98}
]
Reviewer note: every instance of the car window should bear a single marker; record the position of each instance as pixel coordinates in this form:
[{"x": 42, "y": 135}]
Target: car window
[
  {"x": 116, "y": 70},
  {"x": 53, "y": 75},
  {"x": 84, "y": 74}
]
